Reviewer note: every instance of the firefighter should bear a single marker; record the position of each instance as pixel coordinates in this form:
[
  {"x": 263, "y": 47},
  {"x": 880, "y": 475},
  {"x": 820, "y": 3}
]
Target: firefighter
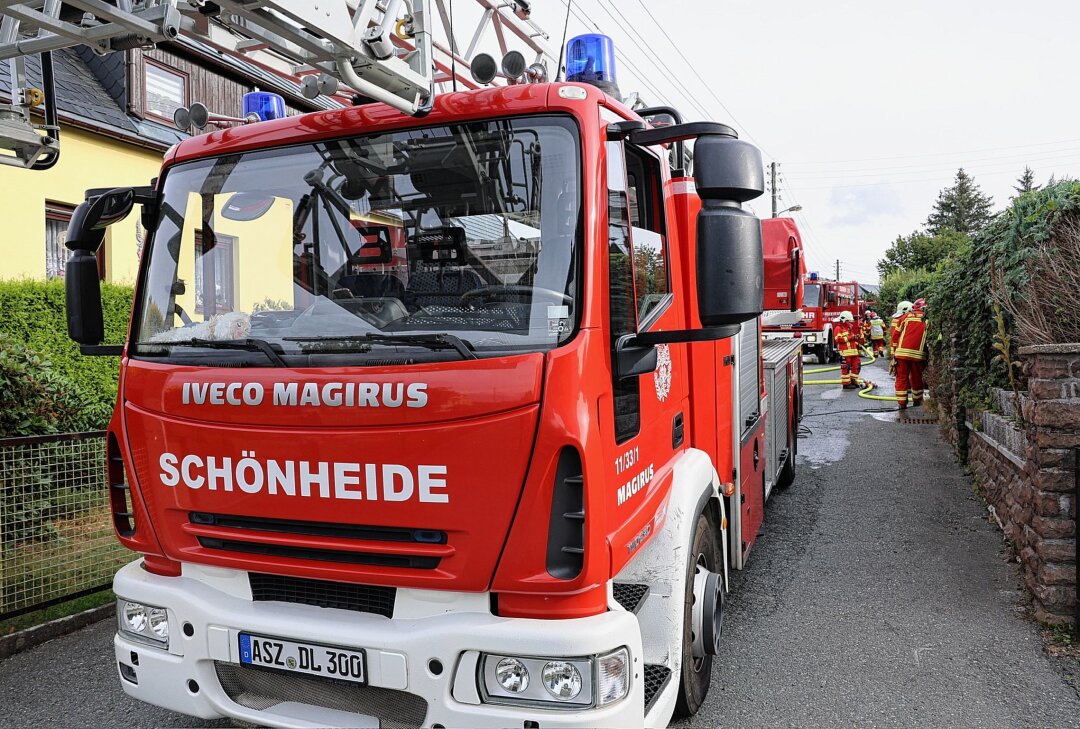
[
  {"x": 909, "y": 355},
  {"x": 902, "y": 310},
  {"x": 877, "y": 333},
  {"x": 847, "y": 338}
]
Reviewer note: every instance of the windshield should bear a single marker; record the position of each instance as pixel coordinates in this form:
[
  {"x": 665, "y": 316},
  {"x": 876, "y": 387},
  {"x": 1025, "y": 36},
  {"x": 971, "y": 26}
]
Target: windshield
[
  {"x": 439, "y": 243},
  {"x": 812, "y": 295}
]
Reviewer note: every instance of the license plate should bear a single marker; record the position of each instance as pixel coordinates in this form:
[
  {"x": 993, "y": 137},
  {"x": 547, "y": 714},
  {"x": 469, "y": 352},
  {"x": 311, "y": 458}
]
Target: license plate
[{"x": 310, "y": 658}]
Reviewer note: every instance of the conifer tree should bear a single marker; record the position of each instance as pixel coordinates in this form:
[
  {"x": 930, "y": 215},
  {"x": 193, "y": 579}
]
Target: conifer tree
[
  {"x": 1026, "y": 182},
  {"x": 964, "y": 207}
]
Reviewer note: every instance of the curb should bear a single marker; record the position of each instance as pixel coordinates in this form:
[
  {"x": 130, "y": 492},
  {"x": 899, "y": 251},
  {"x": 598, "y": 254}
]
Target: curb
[{"x": 35, "y": 636}]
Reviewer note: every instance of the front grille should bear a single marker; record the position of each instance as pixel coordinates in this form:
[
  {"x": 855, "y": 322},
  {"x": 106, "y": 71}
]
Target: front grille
[
  {"x": 322, "y": 555},
  {"x": 319, "y": 529},
  {"x": 321, "y": 593},
  {"x": 656, "y": 678},
  {"x": 261, "y": 689}
]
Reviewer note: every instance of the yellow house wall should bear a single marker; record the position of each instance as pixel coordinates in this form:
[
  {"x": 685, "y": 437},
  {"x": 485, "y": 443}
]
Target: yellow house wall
[
  {"x": 86, "y": 160},
  {"x": 262, "y": 254}
]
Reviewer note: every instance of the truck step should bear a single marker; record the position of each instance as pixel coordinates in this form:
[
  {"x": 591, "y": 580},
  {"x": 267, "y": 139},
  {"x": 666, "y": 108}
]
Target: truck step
[
  {"x": 630, "y": 595},
  {"x": 656, "y": 678}
]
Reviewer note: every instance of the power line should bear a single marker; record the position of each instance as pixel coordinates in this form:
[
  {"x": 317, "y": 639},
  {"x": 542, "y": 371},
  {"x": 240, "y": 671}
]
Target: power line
[
  {"x": 686, "y": 93},
  {"x": 885, "y": 183},
  {"x": 645, "y": 80},
  {"x": 704, "y": 84},
  {"x": 932, "y": 154},
  {"x": 1048, "y": 156}
]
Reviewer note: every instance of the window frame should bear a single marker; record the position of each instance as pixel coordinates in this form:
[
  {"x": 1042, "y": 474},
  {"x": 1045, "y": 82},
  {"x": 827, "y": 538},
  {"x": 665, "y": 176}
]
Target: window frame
[
  {"x": 61, "y": 212},
  {"x": 223, "y": 243},
  {"x": 653, "y": 198},
  {"x": 146, "y": 110}
]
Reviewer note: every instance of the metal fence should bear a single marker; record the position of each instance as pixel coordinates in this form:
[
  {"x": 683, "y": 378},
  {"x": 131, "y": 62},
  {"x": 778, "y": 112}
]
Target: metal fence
[{"x": 56, "y": 535}]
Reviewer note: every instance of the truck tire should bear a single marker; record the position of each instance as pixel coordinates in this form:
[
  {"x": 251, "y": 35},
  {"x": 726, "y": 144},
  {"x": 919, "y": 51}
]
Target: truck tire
[
  {"x": 696, "y": 674},
  {"x": 832, "y": 354},
  {"x": 819, "y": 353}
]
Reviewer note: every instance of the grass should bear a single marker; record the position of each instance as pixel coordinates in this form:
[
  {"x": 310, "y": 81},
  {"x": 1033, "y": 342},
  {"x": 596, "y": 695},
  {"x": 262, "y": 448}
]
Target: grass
[
  {"x": 83, "y": 554},
  {"x": 64, "y": 609}
]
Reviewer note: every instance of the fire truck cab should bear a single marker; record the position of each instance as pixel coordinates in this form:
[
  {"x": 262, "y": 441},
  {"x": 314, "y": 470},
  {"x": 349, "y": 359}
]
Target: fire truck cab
[{"x": 453, "y": 420}]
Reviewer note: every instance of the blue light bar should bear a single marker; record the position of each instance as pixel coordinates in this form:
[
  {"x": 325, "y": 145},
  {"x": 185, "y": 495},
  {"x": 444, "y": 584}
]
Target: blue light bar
[
  {"x": 814, "y": 276},
  {"x": 590, "y": 59},
  {"x": 264, "y": 105}
]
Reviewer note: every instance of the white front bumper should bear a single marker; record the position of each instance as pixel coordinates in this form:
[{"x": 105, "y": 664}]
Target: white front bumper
[{"x": 448, "y": 627}]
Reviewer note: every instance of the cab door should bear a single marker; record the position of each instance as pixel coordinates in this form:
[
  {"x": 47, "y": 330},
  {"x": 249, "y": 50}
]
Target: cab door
[{"x": 646, "y": 423}]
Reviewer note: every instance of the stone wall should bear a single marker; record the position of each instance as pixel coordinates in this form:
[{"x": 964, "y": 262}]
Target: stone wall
[{"x": 1026, "y": 467}]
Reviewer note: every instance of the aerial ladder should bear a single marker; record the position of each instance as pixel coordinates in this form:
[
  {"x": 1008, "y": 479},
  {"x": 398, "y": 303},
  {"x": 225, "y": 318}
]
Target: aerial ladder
[{"x": 380, "y": 50}]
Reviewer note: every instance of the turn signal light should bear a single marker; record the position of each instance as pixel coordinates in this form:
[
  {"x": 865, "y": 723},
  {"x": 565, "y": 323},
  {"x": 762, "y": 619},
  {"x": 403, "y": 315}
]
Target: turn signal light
[{"x": 729, "y": 489}]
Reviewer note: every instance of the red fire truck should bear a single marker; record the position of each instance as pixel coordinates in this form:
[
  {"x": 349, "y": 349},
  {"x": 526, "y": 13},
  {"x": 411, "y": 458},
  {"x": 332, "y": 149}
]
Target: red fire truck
[
  {"x": 488, "y": 457},
  {"x": 822, "y": 303}
]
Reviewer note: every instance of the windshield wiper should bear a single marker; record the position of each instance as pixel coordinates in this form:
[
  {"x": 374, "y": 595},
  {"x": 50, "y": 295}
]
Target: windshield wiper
[
  {"x": 431, "y": 341},
  {"x": 247, "y": 345}
]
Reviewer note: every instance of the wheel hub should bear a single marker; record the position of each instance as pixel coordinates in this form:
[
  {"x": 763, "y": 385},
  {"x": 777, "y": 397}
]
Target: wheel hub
[{"x": 708, "y": 613}]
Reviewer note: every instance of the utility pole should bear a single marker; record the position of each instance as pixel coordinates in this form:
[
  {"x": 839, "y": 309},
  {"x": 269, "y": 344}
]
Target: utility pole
[
  {"x": 837, "y": 269},
  {"x": 772, "y": 178}
]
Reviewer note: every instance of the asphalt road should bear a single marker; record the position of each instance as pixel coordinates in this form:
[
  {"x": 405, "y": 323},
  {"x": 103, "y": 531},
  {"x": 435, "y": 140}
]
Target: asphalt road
[{"x": 877, "y": 596}]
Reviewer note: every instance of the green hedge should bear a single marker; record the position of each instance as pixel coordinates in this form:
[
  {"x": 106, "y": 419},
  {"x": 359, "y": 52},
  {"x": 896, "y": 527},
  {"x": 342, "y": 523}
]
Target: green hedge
[
  {"x": 1025, "y": 263},
  {"x": 32, "y": 317}
]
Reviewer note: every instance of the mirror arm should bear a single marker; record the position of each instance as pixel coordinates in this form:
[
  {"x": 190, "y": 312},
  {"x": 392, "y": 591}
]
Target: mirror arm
[{"x": 101, "y": 350}]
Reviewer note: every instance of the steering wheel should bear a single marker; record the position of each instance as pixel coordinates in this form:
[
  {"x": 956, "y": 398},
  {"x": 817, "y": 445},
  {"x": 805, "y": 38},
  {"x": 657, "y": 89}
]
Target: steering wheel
[{"x": 508, "y": 291}]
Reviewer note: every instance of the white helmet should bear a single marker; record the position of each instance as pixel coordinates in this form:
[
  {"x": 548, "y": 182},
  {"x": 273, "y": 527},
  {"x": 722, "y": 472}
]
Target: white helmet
[
  {"x": 845, "y": 316},
  {"x": 903, "y": 308}
]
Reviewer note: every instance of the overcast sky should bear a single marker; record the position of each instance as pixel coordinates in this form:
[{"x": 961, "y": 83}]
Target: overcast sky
[{"x": 869, "y": 107}]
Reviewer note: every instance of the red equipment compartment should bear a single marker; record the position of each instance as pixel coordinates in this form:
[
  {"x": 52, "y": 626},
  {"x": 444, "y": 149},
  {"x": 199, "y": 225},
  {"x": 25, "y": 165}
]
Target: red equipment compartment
[
  {"x": 785, "y": 264},
  {"x": 752, "y": 487},
  {"x": 449, "y": 540}
]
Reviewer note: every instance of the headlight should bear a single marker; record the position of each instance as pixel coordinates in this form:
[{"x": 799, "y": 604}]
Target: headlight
[
  {"x": 146, "y": 623},
  {"x": 562, "y": 680},
  {"x": 555, "y": 682},
  {"x": 512, "y": 675},
  {"x": 159, "y": 623},
  {"x": 134, "y": 617}
]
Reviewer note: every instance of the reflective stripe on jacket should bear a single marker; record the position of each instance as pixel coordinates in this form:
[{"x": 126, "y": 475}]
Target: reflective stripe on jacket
[
  {"x": 847, "y": 341},
  {"x": 877, "y": 328},
  {"x": 911, "y": 341}
]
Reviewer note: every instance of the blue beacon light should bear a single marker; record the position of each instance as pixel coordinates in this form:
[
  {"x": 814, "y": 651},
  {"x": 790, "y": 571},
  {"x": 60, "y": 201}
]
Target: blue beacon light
[
  {"x": 264, "y": 105},
  {"x": 590, "y": 59}
]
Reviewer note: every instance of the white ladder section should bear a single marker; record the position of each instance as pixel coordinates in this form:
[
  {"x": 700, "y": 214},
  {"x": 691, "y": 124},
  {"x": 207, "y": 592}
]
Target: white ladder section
[
  {"x": 378, "y": 48},
  {"x": 381, "y": 49}
]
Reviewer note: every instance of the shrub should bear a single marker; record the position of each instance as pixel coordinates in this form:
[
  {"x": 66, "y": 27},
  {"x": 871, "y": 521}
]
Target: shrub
[
  {"x": 34, "y": 400},
  {"x": 1015, "y": 284},
  {"x": 32, "y": 314}
]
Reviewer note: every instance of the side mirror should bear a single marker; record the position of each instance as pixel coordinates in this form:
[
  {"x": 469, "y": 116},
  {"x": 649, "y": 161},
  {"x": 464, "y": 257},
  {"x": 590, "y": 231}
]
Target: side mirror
[
  {"x": 730, "y": 262},
  {"x": 86, "y": 325},
  {"x": 86, "y": 230},
  {"x": 85, "y": 234},
  {"x": 632, "y": 358}
]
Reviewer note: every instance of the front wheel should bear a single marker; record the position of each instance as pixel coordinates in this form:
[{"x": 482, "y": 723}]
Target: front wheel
[{"x": 696, "y": 673}]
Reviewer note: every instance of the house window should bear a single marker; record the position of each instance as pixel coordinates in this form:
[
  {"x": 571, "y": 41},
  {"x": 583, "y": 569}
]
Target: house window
[
  {"x": 215, "y": 292},
  {"x": 166, "y": 89},
  {"x": 57, "y": 217}
]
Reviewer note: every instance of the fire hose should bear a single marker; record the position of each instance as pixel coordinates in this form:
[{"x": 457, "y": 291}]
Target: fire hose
[{"x": 868, "y": 386}]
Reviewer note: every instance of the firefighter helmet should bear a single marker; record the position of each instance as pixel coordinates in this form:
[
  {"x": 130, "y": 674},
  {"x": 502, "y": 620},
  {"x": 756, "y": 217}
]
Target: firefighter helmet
[
  {"x": 845, "y": 316},
  {"x": 919, "y": 304},
  {"x": 903, "y": 308}
]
